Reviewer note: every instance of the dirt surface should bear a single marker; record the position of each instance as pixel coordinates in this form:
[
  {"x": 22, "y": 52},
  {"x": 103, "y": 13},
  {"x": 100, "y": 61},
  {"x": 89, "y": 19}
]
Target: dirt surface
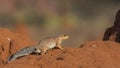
[
  {"x": 8, "y": 47},
  {"x": 94, "y": 54}
]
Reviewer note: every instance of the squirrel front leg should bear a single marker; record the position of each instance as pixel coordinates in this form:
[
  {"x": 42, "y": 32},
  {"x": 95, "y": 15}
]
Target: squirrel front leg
[{"x": 59, "y": 45}]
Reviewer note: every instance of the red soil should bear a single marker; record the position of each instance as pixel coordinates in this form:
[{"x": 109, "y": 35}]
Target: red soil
[
  {"x": 17, "y": 41},
  {"x": 94, "y": 54}
]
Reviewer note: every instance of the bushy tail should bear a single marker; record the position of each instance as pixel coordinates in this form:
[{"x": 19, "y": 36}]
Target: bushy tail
[
  {"x": 10, "y": 58},
  {"x": 22, "y": 52}
]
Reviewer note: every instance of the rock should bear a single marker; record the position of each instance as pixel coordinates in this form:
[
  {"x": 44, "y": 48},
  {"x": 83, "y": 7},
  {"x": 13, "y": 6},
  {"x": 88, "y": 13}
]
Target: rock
[{"x": 113, "y": 33}]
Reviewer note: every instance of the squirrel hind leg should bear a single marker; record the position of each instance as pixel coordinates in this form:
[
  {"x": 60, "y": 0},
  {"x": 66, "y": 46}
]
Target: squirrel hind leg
[{"x": 43, "y": 51}]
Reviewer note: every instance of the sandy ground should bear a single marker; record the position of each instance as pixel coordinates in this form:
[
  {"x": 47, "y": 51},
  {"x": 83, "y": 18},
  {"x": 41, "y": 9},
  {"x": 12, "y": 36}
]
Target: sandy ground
[{"x": 93, "y": 54}]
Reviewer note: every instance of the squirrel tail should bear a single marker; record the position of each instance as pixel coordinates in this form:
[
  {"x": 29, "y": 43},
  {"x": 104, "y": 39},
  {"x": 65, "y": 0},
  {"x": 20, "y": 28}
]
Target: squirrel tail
[{"x": 22, "y": 52}]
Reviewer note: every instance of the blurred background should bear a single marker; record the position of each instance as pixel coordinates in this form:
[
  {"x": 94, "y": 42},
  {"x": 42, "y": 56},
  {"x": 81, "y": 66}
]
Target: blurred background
[{"x": 82, "y": 20}]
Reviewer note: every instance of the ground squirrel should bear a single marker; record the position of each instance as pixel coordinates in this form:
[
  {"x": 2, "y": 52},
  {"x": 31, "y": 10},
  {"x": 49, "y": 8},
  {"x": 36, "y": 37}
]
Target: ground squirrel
[{"x": 42, "y": 47}]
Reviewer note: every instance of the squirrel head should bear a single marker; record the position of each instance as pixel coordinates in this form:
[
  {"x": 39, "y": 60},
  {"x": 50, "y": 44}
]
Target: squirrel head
[{"x": 63, "y": 36}]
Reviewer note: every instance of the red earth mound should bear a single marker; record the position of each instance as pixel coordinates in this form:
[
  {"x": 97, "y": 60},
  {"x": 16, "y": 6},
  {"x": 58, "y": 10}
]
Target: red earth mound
[
  {"x": 94, "y": 54},
  {"x": 11, "y": 42}
]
